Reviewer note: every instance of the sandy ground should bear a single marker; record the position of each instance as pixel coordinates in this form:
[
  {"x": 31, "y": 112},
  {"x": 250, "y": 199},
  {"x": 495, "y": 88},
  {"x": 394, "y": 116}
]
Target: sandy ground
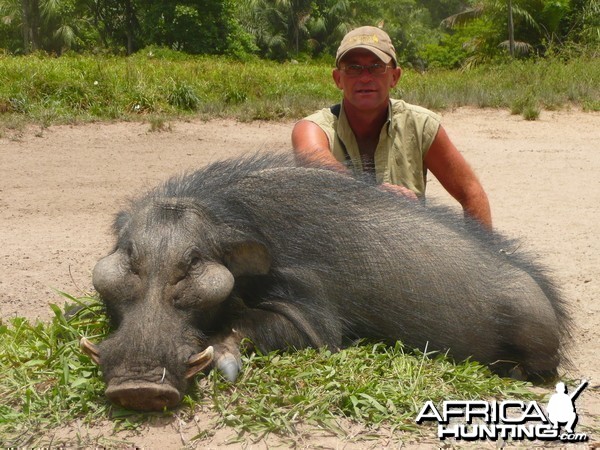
[{"x": 59, "y": 189}]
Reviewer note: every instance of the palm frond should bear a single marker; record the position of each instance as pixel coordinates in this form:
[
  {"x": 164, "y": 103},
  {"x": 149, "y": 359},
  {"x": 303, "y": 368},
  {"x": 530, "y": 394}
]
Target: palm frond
[
  {"x": 523, "y": 14},
  {"x": 462, "y": 18},
  {"x": 521, "y": 48}
]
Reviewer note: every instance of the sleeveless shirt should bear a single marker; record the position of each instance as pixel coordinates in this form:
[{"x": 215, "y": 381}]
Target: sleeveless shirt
[{"x": 403, "y": 143}]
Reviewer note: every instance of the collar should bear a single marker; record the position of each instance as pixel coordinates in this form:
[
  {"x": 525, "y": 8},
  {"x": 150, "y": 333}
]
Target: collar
[{"x": 388, "y": 123}]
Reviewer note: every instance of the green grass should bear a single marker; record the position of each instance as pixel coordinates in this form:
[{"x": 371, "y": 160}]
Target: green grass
[
  {"x": 44, "y": 378},
  {"x": 546, "y": 84},
  {"x": 46, "y": 382},
  {"x": 45, "y": 90}
]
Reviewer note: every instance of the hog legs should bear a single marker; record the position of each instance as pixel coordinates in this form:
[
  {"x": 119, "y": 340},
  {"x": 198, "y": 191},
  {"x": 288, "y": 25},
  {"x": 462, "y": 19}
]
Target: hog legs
[
  {"x": 227, "y": 357},
  {"x": 275, "y": 326}
]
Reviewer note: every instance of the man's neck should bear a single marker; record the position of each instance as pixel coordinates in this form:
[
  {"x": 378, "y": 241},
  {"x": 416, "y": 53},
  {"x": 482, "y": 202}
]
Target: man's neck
[{"x": 366, "y": 124}]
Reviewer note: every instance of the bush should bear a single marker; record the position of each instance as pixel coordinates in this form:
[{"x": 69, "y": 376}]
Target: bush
[{"x": 183, "y": 96}]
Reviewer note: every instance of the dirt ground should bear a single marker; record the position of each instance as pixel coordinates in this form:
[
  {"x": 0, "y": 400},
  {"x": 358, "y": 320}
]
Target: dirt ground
[{"x": 61, "y": 186}]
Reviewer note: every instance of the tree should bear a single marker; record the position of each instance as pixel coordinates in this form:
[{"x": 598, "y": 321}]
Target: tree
[
  {"x": 12, "y": 31},
  {"x": 497, "y": 14},
  {"x": 191, "y": 26},
  {"x": 31, "y": 18},
  {"x": 406, "y": 21},
  {"x": 279, "y": 27},
  {"x": 117, "y": 23},
  {"x": 587, "y": 20},
  {"x": 47, "y": 25},
  {"x": 327, "y": 25},
  {"x": 577, "y": 25}
]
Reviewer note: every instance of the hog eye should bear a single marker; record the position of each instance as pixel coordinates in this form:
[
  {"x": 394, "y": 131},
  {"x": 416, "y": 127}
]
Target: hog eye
[
  {"x": 188, "y": 263},
  {"x": 195, "y": 261},
  {"x": 130, "y": 249},
  {"x": 132, "y": 257},
  {"x": 193, "y": 258}
]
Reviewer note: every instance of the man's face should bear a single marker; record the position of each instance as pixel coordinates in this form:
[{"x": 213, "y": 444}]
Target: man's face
[{"x": 366, "y": 91}]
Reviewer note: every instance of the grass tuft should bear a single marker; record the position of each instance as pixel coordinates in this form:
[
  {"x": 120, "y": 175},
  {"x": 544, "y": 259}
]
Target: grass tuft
[
  {"x": 44, "y": 379},
  {"x": 183, "y": 96}
]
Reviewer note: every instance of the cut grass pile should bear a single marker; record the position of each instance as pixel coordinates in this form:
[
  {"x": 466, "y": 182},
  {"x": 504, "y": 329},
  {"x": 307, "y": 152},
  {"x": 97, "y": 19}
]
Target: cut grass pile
[{"x": 46, "y": 382}]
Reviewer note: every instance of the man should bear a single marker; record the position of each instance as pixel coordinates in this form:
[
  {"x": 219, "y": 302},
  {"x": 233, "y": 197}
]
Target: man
[{"x": 394, "y": 142}]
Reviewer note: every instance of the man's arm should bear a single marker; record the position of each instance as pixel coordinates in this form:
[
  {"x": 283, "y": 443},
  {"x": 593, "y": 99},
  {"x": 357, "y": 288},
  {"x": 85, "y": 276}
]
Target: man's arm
[
  {"x": 456, "y": 176},
  {"x": 311, "y": 147}
]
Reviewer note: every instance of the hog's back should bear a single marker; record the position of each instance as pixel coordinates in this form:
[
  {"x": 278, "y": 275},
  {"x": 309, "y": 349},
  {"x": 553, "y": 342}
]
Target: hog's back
[{"x": 392, "y": 269}]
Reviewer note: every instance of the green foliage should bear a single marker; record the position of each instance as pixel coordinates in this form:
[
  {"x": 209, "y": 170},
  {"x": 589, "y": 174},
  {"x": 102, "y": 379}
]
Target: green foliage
[
  {"x": 278, "y": 27},
  {"x": 374, "y": 385},
  {"x": 183, "y": 96},
  {"x": 545, "y": 84},
  {"x": 293, "y": 29},
  {"x": 538, "y": 26},
  {"x": 329, "y": 21},
  {"x": 407, "y": 22},
  {"x": 526, "y": 105},
  {"x": 52, "y": 26},
  {"x": 169, "y": 84},
  {"x": 449, "y": 53},
  {"x": 46, "y": 382},
  {"x": 190, "y": 26},
  {"x": 44, "y": 378},
  {"x": 585, "y": 19},
  {"x": 299, "y": 29}
]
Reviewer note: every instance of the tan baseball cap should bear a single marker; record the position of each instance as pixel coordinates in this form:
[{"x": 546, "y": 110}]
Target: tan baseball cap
[{"x": 373, "y": 39}]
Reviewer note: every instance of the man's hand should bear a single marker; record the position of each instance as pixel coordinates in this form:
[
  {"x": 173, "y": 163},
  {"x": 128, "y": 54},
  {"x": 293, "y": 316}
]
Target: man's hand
[{"x": 399, "y": 190}]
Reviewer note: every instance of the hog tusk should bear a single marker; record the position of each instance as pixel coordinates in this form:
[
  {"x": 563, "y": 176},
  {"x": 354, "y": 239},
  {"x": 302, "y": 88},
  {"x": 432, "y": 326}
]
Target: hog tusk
[
  {"x": 199, "y": 361},
  {"x": 204, "y": 356},
  {"x": 90, "y": 349}
]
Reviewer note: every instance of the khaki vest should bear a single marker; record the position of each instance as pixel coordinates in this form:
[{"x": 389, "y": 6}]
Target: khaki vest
[{"x": 403, "y": 143}]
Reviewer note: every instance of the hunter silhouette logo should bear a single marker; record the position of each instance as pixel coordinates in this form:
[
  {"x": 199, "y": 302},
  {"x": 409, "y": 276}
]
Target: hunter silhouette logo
[
  {"x": 472, "y": 420},
  {"x": 561, "y": 407}
]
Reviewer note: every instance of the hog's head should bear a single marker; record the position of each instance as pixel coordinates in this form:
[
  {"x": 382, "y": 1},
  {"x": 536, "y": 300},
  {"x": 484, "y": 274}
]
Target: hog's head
[{"x": 163, "y": 286}]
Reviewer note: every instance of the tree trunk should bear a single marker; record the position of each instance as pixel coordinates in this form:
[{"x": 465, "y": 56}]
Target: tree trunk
[
  {"x": 31, "y": 20},
  {"x": 130, "y": 26},
  {"x": 511, "y": 30}
]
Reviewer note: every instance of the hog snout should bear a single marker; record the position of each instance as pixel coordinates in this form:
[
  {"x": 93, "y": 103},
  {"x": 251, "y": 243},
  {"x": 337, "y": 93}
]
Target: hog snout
[
  {"x": 144, "y": 389},
  {"x": 136, "y": 391},
  {"x": 143, "y": 396}
]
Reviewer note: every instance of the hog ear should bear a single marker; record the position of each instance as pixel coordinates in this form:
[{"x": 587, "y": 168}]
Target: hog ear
[
  {"x": 248, "y": 258},
  {"x": 121, "y": 221}
]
